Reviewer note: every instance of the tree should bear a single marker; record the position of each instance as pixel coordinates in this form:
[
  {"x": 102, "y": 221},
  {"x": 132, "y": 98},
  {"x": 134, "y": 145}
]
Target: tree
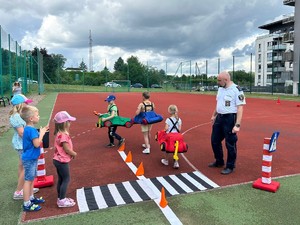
[{"x": 83, "y": 66}]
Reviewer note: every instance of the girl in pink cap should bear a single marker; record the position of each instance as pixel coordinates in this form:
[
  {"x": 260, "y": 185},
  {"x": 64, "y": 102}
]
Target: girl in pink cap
[{"x": 63, "y": 153}]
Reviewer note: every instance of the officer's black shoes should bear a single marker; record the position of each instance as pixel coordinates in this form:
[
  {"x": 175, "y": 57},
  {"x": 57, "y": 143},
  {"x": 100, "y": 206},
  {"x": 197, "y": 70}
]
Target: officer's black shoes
[
  {"x": 215, "y": 164},
  {"x": 226, "y": 171}
]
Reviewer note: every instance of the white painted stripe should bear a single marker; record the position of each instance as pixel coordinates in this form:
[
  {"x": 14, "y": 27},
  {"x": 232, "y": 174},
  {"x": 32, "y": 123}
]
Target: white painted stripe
[
  {"x": 266, "y": 180},
  {"x": 133, "y": 194},
  {"x": 169, "y": 214},
  {"x": 149, "y": 188},
  {"x": 181, "y": 184},
  {"x": 267, "y": 158},
  {"x": 167, "y": 186},
  {"x": 99, "y": 198},
  {"x": 116, "y": 194},
  {"x": 266, "y": 147},
  {"x": 81, "y": 200},
  {"x": 266, "y": 169},
  {"x": 123, "y": 155},
  {"x": 194, "y": 182},
  {"x": 41, "y": 161},
  {"x": 41, "y": 173},
  {"x": 205, "y": 179}
]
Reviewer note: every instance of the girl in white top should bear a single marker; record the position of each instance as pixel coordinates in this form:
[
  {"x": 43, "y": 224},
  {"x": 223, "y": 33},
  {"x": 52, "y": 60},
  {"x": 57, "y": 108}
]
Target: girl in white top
[{"x": 171, "y": 128}]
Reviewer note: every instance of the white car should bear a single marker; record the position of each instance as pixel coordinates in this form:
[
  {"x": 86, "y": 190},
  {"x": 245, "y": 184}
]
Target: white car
[
  {"x": 28, "y": 81},
  {"x": 112, "y": 84}
]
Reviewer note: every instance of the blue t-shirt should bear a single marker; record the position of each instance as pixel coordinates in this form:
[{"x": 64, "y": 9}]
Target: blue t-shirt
[
  {"x": 16, "y": 121},
  {"x": 29, "y": 151}
]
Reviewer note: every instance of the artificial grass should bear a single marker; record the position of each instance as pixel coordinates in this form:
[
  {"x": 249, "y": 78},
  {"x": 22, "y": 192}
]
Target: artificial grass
[{"x": 239, "y": 204}]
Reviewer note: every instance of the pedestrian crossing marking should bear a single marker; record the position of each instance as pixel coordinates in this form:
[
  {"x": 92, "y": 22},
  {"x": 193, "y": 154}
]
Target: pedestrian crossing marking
[{"x": 100, "y": 197}]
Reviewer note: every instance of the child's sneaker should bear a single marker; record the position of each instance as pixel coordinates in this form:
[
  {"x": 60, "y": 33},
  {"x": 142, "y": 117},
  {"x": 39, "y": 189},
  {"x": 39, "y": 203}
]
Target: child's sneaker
[
  {"x": 165, "y": 162},
  {"x": 176, "y": 165},
  {"x": 18, "y": 195},
  {"x": 37, "y": 200},
  {"x": 110, "y": 145},
  {"x": 66, "y": 202},
  {"x": 31, "y": 207},
  {"x": 146, "y": 151},
  {"x": 121, "y": 142}
]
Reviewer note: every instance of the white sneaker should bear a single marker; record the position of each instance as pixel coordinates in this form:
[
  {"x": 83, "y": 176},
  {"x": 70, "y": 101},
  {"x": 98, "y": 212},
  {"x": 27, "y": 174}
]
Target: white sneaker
[
  {"x": 146, "y": 151},
  {"x": 66, "y": 202},
  {"x": 165, "y": 162},
  {"x": 19, "y": 195},
  {"x": 144, "y": 146},
  {"x": 35, "y": 190},
  {"x": 176, "y": 165}
]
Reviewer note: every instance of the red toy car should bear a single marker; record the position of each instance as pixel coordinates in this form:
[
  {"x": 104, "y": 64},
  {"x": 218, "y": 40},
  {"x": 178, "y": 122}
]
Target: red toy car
[{"x": 167, "y": 142}]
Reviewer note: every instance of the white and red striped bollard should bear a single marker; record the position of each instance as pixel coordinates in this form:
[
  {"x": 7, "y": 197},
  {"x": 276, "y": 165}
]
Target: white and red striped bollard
[
  {"x": 265, "y": 182},
  {"x": 41, "y": 179}
]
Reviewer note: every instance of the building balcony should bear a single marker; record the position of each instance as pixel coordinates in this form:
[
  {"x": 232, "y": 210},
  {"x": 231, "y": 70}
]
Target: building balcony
[
  {"x": 279, "y": 47},
  {"x": 289, "y": 37},
  {"x": 289, "y": 2},
  {"x": 277, "y": 58},
  {"x": 279, "y": 69}
]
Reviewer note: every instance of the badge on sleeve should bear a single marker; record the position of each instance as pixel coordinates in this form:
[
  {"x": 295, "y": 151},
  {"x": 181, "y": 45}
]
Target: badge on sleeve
[{"x": 241, "y": 97}]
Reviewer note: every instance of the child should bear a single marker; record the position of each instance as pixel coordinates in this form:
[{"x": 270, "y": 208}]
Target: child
[
  {"x": 18, "y": 101},
  {"x": 173, "y": 125},
  {"x": 146, "y": 106},
  {"x": 16, "y": 89},
  {"x": 31, "y": 152},
  {"x": 63, "y": 154},
  {"x": 112, "y": 111}
]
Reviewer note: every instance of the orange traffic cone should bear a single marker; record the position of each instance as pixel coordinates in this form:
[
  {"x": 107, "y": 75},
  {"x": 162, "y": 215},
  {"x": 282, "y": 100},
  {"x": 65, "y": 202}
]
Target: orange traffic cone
[
  {"x": 122, "y": 147},
  {"x": 163, "y": 201},
  {"x": 140, "y": 170},
  {"x": 278, "y": 101},
  {"x": 129, "y": 157}
]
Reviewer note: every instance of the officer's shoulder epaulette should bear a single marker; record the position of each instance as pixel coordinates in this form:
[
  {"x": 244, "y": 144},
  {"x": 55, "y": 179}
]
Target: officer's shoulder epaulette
[{"x": 239, "y": 88}]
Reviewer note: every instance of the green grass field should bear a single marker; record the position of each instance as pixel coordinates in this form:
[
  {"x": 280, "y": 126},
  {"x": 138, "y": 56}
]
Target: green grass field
[{"x": 234, "y": 205}]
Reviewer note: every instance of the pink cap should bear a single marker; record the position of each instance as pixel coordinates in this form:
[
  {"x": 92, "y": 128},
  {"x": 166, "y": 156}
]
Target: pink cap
[{"x": 62, "y": 117}]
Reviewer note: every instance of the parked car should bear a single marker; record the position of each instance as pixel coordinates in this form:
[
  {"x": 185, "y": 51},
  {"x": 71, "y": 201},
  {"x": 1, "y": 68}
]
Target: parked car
[
  {"x": 112, "y": 84},
  {"x": 137, "y": 85},
  {"x": 28, "y": 81},
  {"x": 156, "y": 86},
  {"x": 245, "y": 89}
]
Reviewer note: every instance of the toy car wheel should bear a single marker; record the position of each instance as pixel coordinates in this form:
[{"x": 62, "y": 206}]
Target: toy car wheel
[
  {"x": 128, "y": 124},
  {"x": 163, "y": 146},
  {"x": 107, "y": 123}
]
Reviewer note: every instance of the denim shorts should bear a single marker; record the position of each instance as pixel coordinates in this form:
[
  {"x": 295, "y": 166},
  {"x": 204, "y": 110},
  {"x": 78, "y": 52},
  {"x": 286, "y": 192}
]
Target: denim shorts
[{"x": 30, "y": 168}]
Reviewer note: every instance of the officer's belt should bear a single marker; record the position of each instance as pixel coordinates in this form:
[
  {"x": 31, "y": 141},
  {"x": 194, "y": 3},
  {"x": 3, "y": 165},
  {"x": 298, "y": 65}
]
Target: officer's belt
[{"x": 227, "y": 114}]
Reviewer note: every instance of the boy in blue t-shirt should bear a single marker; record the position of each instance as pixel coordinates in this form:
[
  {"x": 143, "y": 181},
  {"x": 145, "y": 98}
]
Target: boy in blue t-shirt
[{"x": 32, "y": 140}]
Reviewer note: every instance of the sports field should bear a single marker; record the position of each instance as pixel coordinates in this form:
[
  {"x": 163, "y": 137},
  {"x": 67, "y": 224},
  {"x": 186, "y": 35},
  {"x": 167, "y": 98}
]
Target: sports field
[{"x": 217, "y": 199}]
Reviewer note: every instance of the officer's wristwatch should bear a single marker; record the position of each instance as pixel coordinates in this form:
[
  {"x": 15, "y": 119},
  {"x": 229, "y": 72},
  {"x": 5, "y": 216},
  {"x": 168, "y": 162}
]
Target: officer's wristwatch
[{"x": 237, "y": 125}]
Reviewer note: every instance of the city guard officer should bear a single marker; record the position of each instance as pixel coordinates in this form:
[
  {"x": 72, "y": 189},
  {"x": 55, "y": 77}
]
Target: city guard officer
[{"x": 226, "y": 120}]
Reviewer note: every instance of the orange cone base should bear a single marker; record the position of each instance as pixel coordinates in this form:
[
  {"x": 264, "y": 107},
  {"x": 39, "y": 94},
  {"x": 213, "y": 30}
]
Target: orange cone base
[
  {"x": 49, "y": 181},
  {"x": 273, "y": 187}
]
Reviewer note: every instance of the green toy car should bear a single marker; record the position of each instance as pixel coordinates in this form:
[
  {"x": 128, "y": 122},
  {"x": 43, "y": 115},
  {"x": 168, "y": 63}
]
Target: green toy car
[{"x": 116, "y": 121}]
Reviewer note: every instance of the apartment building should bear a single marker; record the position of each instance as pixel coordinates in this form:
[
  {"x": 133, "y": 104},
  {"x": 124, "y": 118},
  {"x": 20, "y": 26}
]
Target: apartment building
[{"x": 278, "y": 53}]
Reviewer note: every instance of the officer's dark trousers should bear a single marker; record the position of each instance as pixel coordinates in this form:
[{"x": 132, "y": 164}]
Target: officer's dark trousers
[{"x": 222, "y": 129}]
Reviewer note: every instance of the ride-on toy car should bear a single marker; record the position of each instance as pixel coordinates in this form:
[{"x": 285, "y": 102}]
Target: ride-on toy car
[
  {"x": 170, "y": 142},
  {"x": 116, "y": 121}
]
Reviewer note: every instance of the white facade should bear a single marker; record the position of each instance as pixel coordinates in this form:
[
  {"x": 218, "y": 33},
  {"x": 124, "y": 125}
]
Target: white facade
[{"x": 269, "y": 59}]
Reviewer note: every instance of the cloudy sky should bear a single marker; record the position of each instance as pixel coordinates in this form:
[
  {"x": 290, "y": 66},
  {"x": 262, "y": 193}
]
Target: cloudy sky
[{"x": 161, "y": 33}]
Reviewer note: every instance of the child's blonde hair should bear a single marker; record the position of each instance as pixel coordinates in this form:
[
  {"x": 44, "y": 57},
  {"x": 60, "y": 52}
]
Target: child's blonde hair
[
  {"x": 28, "y": 112},
  {"x": 61, "y": 127},
  {"x": 173, "y": 110},
  {"x": 16, "y": 109}
]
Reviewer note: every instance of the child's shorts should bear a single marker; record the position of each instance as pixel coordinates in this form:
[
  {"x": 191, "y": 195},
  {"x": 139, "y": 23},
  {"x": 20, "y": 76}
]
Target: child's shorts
[
  {"x": 30, "y": 169},
  {"x": 146, "y": 128}
]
